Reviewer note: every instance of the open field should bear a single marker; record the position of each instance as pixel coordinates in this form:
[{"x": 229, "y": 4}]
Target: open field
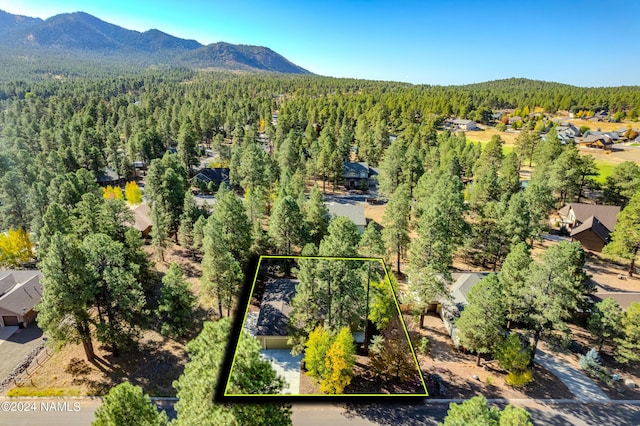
[
  {"x": 487, "y": 133},
  {"x": 604, "y": 170},
  {"x": 604, "y": 126}
]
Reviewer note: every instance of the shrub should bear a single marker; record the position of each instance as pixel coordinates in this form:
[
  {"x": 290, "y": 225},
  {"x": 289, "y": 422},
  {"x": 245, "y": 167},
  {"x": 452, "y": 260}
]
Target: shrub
[
  {"x": 519, "y": 378},
  {"x": 489, "y": 380},
  {"x": 591, "y": 363},
  {"x": 512, "y": 355},
  {"x": 423, "y": 346}
]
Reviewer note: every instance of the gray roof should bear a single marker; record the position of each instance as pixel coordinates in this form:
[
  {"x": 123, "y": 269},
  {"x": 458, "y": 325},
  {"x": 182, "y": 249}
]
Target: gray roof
[
  {"x": 20, "y": 290},
  {"x": 276, "y": 307},
  {"x": 356, "y": 170},
  {"x": 464, "y": 283},
  {"x": 355, "y": 212}
]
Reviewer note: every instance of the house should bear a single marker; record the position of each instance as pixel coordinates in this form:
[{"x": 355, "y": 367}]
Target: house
[
  {"x": 273, "y": 319},
  {"x": 590, "y": 224},
  {"x": 464, "y": 125},
  {"x": 567, "y": 132},
  {"x": 356, "y": 175},
  {"x": 142, "y": 219},
  {"x": 20, "y": 291},
  {"x": 211, "y": 178},
  {"x": 596, "y": 140},
  {"x": 450, "y": 308},
  {"x": 355, "y": 212},
  {"x": 108, "y": 177}
]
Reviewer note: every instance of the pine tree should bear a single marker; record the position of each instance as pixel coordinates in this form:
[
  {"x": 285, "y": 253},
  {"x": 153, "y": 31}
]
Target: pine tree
[
  {"x": 175, "y": 307},
  {"x": 628, "y": 346},
  {"x": 196, "y": 387},
  {"x": 625, "y": 239},
  {"x": 396, "y": 220},
  {"x": 126, "y": 402},
  {"x": 68, "y": 297},
  {"x": 480, "y": 326},
  {"x": 221, "y": 273}
]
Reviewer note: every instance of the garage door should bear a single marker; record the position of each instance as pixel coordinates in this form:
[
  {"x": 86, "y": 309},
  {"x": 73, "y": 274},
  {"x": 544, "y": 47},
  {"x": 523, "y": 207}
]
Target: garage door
[{"x": 9, "y": 320}]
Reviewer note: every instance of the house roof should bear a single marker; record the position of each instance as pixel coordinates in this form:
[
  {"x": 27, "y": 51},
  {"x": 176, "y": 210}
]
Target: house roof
[
  {"x": 142, "y": 217},
  {"x": 355, "y": 212},
  {"x": 276, "y": 307},
  {"x": 461, "y": 122},
  {"x": 107, "y": 175},
  {"x": 20, "y": 290},
  {"x": 607, "y": 215},
  {"x": 464, "y": 283},
  {"x": 596, "y": 226},
  {"x": 218, "y": 174},
  {"x": 357, "y": 170}
]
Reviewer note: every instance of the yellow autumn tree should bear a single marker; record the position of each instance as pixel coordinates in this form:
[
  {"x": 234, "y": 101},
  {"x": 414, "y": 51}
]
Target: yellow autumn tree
[
  {"x": 112, "y": 192},
  {"x": 316, "y": 348},
  {"x": 15, "y": 248},
  {"x": 133, "y": 193},
  {"x": 339, "y": 363}
]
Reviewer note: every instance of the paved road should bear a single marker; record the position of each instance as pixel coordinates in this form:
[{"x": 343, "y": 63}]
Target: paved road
[
  {"x": 580, "y": 385},
  {"x": 17, "y": 347},
  {"x": 420, "y": 413}
]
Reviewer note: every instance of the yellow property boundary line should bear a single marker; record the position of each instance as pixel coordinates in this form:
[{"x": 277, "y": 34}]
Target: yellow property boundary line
[{"x": 406, "y": 332}]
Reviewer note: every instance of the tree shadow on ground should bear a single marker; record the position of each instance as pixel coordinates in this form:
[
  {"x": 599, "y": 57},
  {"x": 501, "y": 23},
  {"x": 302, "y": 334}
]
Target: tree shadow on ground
[
  {"x": 152, "y": 365},
  {"x": 408, "y": 414}
]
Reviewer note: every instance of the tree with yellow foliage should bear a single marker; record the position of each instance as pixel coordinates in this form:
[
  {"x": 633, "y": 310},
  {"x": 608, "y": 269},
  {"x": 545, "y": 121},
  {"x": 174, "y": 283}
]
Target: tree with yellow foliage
[
  {"x": 133, "y": 193},
  {"x": 316, "y": 348},
  {"x": 15, "y": 248},
  {"x": 112, "y": 192},
  {"x": 339, "y": 363}
]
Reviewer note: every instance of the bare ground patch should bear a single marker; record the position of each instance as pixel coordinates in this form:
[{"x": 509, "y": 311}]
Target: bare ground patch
[
  {"x": 464, "y": 379},
  {"x": 154, "y": 364}
]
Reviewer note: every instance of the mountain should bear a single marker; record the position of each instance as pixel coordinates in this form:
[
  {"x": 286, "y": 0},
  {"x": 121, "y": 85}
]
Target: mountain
[
  {"x": 9, "y": 22},
  {"x": 83, "y": 36}
]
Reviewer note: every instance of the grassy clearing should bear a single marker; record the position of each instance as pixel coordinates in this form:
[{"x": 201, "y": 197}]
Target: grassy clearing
[
  {"x": 487, "y": 133},
  {"x": 605, "y": 169},
  {"x": 604, "y": 126},
  {"x": 32, "y": 391}
]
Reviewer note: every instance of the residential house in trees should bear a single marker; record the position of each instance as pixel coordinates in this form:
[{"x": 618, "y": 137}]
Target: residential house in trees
[
  {"x": 597, "y": 140},
  {"x": 20, "y": 291},
  {"x": 355, "y": 212},
  {"x": 211, "y": 178},
  {"x": 450, "y": 309},
  {"x": 109, "y": 177},
  {"x": 271, "y": 328},
  {"x": 464, "y": 125},
  {"x": 356, "y": 175},
  {"x": 142, "y": 219},
  {"x": 589, "y": 224}
]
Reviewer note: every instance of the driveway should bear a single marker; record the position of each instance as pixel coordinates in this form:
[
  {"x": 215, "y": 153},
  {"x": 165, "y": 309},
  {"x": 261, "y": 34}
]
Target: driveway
[
  {"x": 580, "y": 385},
  {"x": 17, "y": 347},
  {"x": 287, "y": 366}
]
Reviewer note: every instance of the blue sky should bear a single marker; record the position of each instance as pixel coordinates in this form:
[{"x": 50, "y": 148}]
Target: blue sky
[{"x": 585, "y": 43}]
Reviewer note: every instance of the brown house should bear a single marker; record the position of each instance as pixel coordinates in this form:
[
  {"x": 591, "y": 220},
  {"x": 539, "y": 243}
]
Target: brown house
[
  {"x": 590, "y": 224},
  {"x": 20, "y": 291},
  {"x": 142, "y": 219}
]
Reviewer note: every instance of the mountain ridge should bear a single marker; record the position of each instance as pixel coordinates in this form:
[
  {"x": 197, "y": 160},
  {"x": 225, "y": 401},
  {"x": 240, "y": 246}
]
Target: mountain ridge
[{"x": 81, "y": 34}]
